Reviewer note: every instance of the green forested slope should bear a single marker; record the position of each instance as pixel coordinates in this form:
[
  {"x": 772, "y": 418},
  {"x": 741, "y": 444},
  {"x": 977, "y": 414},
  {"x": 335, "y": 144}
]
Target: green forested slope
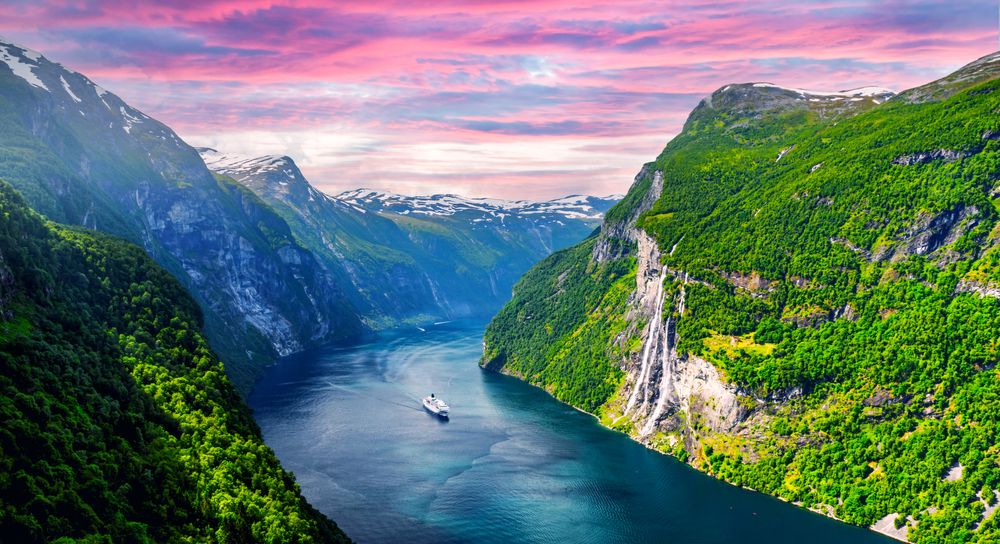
[
  {"x": 80, "y": 155},
  {"x": 847, "y": 288},
  {"x": 568, "y": 308},
  {"x": 119, "y": 422}
]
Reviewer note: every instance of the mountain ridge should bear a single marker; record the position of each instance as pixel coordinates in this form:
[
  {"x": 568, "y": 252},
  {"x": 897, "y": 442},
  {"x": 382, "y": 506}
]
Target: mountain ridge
[
  {"x": 799, "y": 300},
  {"x": 80, "y": 155},
  {"x": 411, "y": 260}
]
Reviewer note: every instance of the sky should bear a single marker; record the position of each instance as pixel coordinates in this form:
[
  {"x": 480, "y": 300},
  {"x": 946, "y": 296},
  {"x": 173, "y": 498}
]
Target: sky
[{"x": 503, "y": 98}]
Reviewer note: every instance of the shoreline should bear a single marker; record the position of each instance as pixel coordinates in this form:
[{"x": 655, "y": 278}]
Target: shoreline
[{"x": 706, "y": 474}]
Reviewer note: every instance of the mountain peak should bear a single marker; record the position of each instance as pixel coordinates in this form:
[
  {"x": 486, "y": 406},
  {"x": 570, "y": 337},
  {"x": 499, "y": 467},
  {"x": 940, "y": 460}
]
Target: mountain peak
[
  {"x": 275, "y": 175},
  {"x": 75, "y": 94},
  {"x": 481, "y": 209},
  {"x": 737, "y": 104},
  {"x": 23, "y": 62},
  {"x": 761, "y": 97},
  {"x": 234, "y": 165}
]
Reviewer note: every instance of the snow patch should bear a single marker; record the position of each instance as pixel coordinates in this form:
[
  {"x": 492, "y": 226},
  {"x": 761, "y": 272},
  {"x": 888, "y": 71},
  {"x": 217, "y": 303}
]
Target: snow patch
[
  {"x": 69, "y": 91},
  {"x": 855, "y": 94},
  {"x": 23, "y": 68},
  {"x": 130, "y": 120}
]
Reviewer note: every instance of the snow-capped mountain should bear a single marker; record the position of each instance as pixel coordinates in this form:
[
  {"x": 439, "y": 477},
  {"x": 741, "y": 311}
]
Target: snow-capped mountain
[
  {"x": 575, "y": 207},
  {"x": 877, "y": 94},
  {"x": 275, "y": 174},
  {"x": 75, "y": 94},
  {"x": 412, "y": 258},
  {"x": 283, "y": 176},
  {"x": 81, "y": 155}
]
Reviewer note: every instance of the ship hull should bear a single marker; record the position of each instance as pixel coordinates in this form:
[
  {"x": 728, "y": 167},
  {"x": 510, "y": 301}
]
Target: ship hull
[{"x": 435, "y": 410}]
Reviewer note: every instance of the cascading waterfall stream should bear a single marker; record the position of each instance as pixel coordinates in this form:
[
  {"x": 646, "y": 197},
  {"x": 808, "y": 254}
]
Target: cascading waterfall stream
[
  {"x": 652, "y": 334},
  {"x": 668, "y": 360}
]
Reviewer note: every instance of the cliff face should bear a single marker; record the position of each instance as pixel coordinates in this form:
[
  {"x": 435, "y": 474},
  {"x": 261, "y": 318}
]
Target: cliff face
[
  {"x": 799, "y": 296},
  {"x": 81, "y": 155},
  {"x": 405, "y": 259}
]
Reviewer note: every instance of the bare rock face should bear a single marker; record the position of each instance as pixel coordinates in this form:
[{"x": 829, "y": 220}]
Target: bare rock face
[
  {"x": 648, "y": 277},
  {"x": 924, "y": 157},
  {"x": 931, "y": 232},
  {"x": 665, "y": 392},
  {"x": 978, "y": 288},
  {"x": 618, "y": 238}
]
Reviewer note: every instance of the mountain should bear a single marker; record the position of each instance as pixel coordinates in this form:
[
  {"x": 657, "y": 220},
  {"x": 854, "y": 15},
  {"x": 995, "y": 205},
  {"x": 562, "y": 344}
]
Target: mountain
[
  {"x": 799, "y": 295},
  {"x": 404, "y": 259},
  {"x": 119, "y": 422},
  {"x": 82, "y": 156}
]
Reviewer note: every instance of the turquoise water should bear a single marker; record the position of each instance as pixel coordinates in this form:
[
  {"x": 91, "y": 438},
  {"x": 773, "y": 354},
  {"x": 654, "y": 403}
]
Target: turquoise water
[{"x": 511, "y": 465}]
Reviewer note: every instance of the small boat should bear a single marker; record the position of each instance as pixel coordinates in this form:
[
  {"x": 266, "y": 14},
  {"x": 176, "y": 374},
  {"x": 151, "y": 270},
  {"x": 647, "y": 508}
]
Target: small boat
[{"x": 436, "y": 406}]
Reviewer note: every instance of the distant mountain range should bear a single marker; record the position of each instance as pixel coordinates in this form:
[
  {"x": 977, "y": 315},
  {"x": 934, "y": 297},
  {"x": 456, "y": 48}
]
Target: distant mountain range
[
  {"x": 276, "y": 266},
  {"x": 415, "y": 258}
]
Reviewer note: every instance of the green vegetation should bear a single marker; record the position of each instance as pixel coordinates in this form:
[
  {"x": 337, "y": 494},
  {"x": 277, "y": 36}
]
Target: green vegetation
[
  {"x": 848, "y": 271},
  {"x": 572, "y": 316},
  {"x": 119, "y": 422},
  {"x": 401, "y": 267},
  {"x": 231, "y": 251}
]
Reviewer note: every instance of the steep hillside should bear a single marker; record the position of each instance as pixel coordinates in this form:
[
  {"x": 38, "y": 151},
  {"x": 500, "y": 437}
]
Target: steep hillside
[
  {"x": 800, "y": 296},
  {"x": 119, "y": 422},
  {"x": 80, "y": 155},
  {"x": 413, "y": 259}
]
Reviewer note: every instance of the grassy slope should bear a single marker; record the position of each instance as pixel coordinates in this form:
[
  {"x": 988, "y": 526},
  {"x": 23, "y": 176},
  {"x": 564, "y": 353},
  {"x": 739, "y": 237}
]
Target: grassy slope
[
  {"x": 119, "y": 422},
  {"x": 825, "y": 240}
]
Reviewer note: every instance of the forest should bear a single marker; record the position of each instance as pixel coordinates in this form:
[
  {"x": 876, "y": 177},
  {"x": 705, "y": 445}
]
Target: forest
[
  {"x": 120, "y": 424},
  {"x": 844, "y": 267}
]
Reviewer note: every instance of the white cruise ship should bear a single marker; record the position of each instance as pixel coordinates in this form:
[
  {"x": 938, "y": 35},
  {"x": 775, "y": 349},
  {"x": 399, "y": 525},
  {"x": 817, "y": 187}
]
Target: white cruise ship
[{"x": 436, "y": 405}]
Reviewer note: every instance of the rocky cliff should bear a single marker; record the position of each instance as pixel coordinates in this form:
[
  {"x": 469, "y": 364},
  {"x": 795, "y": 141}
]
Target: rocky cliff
[
  {"x": 83, "y": 156},
  {"x": 406, "y": 259},
  {"x": 798, "y": 296}
]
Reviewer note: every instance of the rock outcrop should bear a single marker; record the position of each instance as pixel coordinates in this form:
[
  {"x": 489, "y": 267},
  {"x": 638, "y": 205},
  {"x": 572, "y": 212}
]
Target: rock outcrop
[
  {"x": 618, "y": 238},
  {"x": 664, "y": 392}
]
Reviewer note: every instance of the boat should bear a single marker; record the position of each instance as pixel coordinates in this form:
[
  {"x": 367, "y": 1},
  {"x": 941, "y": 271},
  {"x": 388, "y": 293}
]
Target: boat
[{"x": 436, "y": 406}]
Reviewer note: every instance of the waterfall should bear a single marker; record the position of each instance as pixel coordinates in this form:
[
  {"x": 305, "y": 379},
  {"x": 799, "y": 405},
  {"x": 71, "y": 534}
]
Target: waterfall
[
  {"x": 652, "y": 334},
  {"x": 673, "y": 249},
  {"x": 680, "y": 305},
  {"x": 668, "y": 360}
]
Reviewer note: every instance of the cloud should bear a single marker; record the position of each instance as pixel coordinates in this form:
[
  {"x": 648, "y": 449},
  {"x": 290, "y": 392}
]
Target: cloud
[{"x": 496, "y": 97}]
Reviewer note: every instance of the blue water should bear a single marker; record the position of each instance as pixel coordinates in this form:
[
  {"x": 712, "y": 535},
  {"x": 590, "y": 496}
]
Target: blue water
[{"x": 511, "y": 465}]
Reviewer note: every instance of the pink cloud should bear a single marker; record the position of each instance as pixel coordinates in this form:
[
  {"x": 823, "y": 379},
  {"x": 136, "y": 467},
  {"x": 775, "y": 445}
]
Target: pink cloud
[{"x": 484, "y": 73}]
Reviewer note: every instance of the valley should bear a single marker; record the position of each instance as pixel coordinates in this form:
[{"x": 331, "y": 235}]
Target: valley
[{"x": 786, "y": 329}]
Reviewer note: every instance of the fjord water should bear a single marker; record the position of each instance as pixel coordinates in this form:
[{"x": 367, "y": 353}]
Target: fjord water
[{"x": 511, "y": 465}]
